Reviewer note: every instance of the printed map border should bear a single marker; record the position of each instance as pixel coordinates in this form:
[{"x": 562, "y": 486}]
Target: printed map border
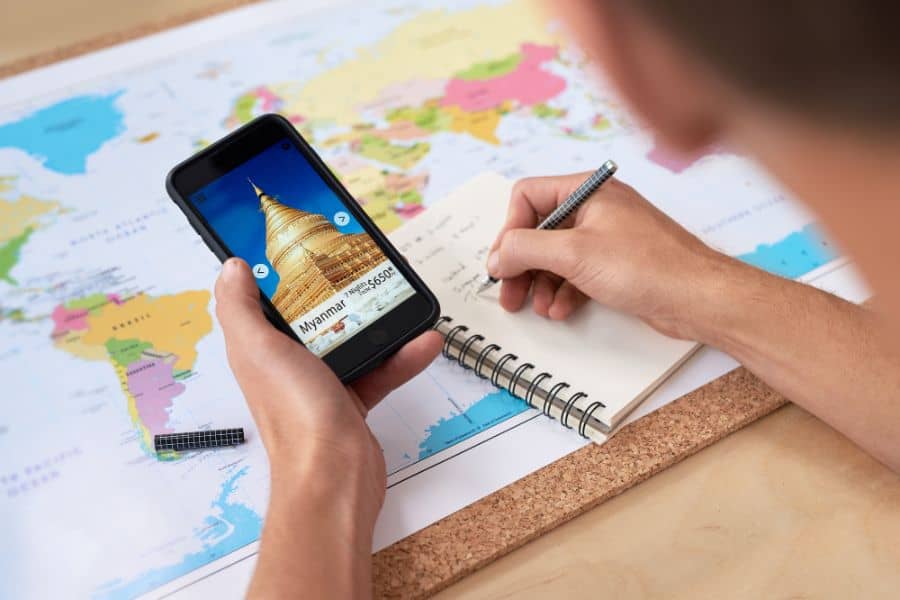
[{"x": 448, "y": 550}]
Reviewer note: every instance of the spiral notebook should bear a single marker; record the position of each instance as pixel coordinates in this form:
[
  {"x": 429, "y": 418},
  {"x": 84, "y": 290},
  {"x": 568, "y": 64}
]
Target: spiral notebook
[{"x": 587, "y": 372}]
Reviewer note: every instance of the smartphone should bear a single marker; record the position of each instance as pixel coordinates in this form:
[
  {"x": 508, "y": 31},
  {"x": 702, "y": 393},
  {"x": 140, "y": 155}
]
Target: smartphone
[{"x": 328, "y": 277}]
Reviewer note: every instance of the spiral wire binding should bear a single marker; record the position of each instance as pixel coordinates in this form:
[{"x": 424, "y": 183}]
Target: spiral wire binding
[
  {"x": 479, "y": 362},
  {"x": 440, "y": 321},
  {"x": 448, "y": 343},
  {"x": 585, "y": 417},
  {"x": 465, "y": 352},
  {"x": 532, "y": 388},
  {"x": 517, "y": 374},
  {"x": 498, "y": 368},
  {"x": 551, "y": 395},
  {"x": 564, "y": 416}
]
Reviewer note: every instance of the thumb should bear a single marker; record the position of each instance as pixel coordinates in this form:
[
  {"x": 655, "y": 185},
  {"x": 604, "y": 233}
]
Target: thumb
[
  {"x": 237, "y": 303},
  {"x": 522, "y": 250}
]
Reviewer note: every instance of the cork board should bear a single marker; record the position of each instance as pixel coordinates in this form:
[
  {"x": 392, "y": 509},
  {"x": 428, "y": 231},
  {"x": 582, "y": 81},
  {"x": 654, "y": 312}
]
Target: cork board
[{"x": 445, "y": 552}]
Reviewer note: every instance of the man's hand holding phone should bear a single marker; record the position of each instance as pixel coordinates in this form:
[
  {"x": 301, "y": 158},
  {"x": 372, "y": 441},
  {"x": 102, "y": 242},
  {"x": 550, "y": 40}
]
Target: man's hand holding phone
[
  {"x": 328, "y": 472},
  {"x": 330, "y": 301}
]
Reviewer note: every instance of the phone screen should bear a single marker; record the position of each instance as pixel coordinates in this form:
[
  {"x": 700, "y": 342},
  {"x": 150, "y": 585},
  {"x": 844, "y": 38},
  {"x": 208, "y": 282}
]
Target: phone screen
[{"x": 322, "y": 272}]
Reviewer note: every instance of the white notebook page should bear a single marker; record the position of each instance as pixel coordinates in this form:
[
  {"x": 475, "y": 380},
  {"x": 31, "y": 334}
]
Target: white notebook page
[{"x": 612, "y": 357}]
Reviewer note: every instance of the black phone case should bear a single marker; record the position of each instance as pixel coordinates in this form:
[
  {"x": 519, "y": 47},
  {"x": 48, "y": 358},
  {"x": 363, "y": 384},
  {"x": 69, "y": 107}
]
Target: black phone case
[{"x": 213, "y": 242}]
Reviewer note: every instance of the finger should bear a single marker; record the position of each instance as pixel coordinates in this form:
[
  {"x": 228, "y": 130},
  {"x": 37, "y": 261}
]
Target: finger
[
  {"x": 536, "y": 197},
  {"x": 543, "y": 290},
  {"x": 398, "y": 369},
  {"x": 539, "y": 196},
  {"x": 521, "y": 250},
  {"x": 514, "y": 292},
  {"x": 237, "y": 302},
  {"x": 567, "y": 300},
  {"x": 250, "y": 339}
]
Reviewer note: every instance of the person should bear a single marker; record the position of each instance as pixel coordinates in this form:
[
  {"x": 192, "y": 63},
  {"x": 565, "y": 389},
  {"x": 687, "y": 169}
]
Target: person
[{"x": 809, "y": 90}]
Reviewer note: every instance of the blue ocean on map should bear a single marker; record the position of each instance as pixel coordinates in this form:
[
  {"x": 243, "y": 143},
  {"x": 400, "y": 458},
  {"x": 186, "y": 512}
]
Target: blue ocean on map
[
  {"x": 494, "y": 408},
  {"x": 65, "y": 134},
  {"x": 795, "y": 255},
  {"x": 230, "y": 527}
]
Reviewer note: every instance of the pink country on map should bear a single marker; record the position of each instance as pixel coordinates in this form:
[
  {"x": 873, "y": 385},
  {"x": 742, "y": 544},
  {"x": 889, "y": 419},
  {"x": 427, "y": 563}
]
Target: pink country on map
[
  {"x": 72, "y": 316},
  {"x": 152, "y": 384},
  {"x": 675, "y": 162},
  {"x": 527, "y": 84}
]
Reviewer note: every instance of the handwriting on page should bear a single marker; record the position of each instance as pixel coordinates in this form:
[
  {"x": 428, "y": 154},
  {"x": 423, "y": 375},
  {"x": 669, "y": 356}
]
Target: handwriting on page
[{"x": 450, "y": 253}]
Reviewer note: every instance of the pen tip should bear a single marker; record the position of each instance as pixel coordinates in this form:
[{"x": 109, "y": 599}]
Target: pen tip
[{"x": 486, "y": 283}]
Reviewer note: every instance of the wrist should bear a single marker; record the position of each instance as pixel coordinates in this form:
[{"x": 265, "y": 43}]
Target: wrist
[
  {"x": 323, "y": 515},
  {"x": 327, "y": 477},
  {"x": 319, "y": 528},
  {"x": 730, "y": 303}
]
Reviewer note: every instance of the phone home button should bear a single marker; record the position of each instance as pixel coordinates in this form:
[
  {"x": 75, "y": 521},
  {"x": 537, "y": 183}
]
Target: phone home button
[{"x": 378, "y": 337}]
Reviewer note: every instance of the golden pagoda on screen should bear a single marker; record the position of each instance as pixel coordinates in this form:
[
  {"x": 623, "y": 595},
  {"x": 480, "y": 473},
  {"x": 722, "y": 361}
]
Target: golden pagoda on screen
[{"x": 313, "y": 259}]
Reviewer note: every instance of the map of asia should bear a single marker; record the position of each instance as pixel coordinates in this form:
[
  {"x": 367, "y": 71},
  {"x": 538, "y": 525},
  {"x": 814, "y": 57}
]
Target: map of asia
[{"x": 106, "y": 317}]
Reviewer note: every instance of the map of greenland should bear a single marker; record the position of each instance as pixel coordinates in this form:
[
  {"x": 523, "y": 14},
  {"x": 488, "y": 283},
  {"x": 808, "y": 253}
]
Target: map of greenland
[{"x": 63, "y": 135}]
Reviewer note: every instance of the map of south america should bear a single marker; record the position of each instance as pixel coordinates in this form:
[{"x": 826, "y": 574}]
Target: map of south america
[{"x": 150, "y": 342}]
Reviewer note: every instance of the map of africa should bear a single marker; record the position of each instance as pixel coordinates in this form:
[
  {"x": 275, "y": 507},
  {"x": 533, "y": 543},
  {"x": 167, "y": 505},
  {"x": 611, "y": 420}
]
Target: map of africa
[{"x": 105, "y": 292}]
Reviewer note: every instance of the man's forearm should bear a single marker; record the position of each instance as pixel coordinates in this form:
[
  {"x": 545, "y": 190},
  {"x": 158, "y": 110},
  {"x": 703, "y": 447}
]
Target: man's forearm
[
  {"x": 823, "y": 353},
  {"x": 317, "y": 540}
]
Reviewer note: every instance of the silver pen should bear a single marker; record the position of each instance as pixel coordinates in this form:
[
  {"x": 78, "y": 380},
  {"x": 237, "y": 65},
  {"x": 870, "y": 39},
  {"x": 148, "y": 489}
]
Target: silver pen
[{"x": 571, "y": 204}]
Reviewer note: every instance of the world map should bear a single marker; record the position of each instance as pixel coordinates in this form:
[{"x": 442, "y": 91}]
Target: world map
[{"x": 105, "y": 292}]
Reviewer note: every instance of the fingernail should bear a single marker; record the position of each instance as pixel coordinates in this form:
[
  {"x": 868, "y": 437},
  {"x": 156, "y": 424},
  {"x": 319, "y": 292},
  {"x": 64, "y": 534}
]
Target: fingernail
[
  {"x": 230, "y": 268},
  {"x": 493, "y": 262}
]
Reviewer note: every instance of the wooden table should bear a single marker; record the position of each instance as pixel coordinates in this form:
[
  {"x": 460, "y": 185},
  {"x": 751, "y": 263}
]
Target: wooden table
[{"x": 785, "y": 508}]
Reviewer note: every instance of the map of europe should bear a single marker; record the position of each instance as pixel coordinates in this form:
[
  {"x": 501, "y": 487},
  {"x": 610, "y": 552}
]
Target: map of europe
[{"x": 105, "y": 292}]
